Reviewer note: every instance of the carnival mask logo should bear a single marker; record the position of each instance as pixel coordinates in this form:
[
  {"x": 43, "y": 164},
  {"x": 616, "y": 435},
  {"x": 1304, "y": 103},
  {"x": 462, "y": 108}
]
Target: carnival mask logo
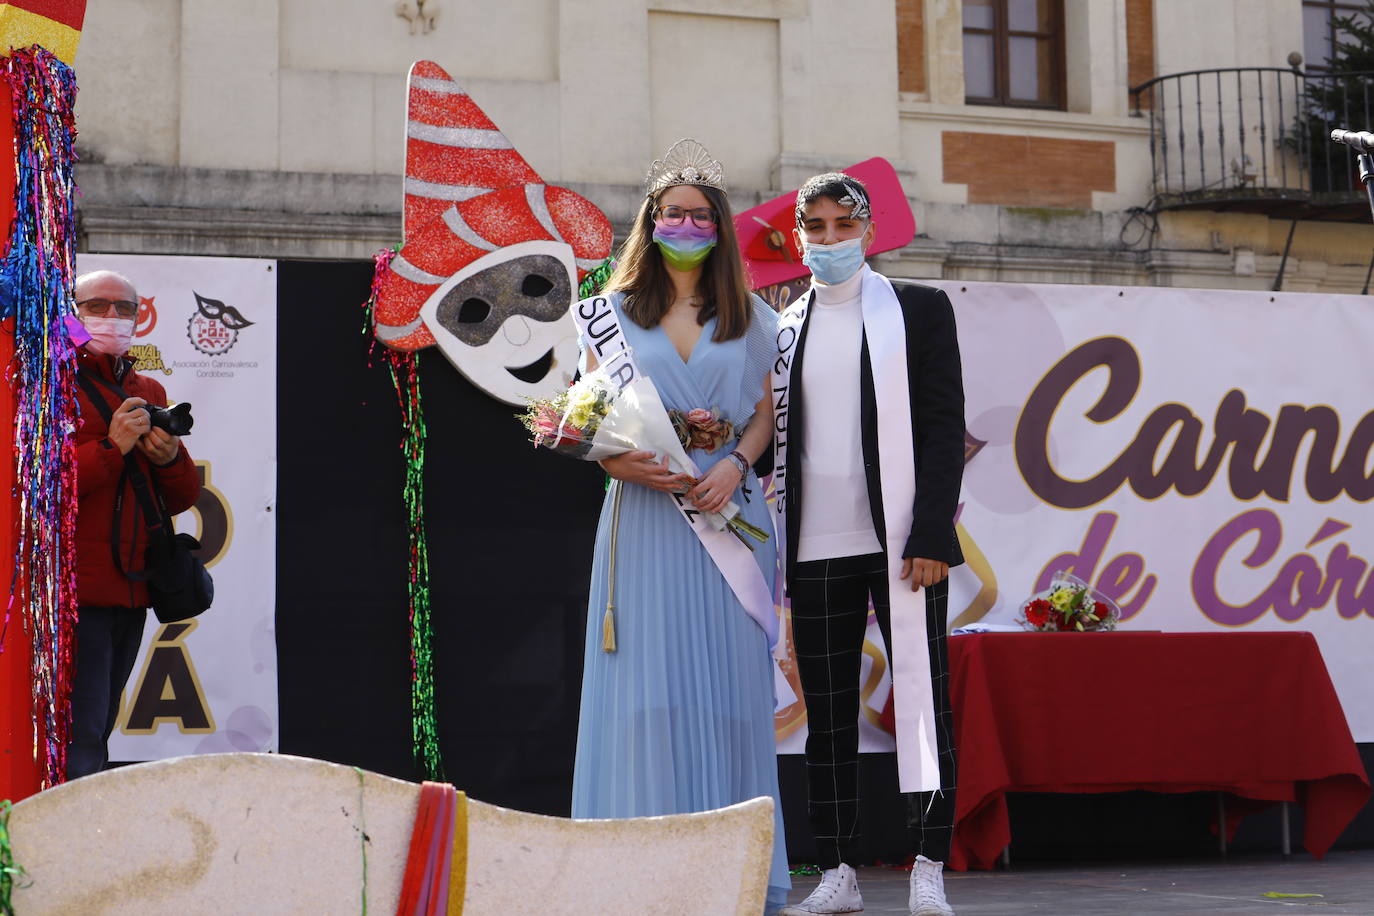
[
  {"x": 492, "y": 255},
  {"x": 214, "y": 327},
  {"x": 146, "y": 318}
]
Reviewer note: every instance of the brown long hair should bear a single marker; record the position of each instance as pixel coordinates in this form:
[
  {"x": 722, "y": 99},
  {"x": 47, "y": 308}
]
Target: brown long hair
[{"x": 643, "y": 277}]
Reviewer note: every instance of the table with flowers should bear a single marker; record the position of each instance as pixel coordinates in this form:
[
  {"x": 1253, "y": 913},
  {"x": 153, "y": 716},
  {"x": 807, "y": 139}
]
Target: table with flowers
[{"x": 1252, "y": 715}]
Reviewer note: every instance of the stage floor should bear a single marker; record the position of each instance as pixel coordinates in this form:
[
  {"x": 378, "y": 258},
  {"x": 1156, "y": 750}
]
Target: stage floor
[{"x": 1344, "y": 878}]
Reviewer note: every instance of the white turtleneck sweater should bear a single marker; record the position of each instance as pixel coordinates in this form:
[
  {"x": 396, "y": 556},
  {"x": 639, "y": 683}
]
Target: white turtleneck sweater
[{"x": 835, "y": 517}]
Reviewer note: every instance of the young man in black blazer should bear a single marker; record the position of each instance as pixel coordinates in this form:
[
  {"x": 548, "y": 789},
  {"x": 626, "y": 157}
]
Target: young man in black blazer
[{"x": 836, "y": 454}]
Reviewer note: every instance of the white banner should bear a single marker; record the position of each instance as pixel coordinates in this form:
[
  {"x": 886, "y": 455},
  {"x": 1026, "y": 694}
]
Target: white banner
[
  {"x": 1202, "y": 457},
  {"x": 207, "y": 330}
]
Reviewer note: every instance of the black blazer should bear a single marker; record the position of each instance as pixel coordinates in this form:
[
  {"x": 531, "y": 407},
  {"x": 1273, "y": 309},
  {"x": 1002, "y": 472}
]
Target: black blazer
[{"x": 937, "y": 430}]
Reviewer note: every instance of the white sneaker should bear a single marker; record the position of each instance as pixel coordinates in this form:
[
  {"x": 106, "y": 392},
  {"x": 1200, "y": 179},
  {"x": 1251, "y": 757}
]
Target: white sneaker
[
  {"x": 838, "y": 892},
  {"x": 928, "y": 889}
]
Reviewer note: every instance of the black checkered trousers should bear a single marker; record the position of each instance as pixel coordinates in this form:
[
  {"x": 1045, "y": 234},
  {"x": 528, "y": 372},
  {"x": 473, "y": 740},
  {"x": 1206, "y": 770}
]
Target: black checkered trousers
[{"x": 830, "y": 600}]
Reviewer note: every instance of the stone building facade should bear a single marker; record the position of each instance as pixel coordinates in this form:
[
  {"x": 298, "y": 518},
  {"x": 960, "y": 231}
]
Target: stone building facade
[{"x": 274, "y": 127}]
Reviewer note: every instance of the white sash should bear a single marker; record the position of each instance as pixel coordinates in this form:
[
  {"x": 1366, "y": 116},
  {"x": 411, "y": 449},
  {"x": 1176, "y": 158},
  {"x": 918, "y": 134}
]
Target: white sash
[
  {"x": 601, "y": 332},
  {"x": 918, "y": 766}
]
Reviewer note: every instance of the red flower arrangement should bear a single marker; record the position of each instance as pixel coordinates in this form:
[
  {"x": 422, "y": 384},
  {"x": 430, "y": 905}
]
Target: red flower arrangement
[{"x": 1068, "y": 605}]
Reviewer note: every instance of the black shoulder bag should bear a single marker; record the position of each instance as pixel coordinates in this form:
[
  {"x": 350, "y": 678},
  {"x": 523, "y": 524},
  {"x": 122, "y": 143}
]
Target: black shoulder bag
[{"x": 179, "y": 585}]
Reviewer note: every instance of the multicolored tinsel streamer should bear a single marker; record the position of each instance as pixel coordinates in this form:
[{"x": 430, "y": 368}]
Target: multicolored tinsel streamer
[
  {"x": 36, "y": 295},
  {"x": 405, "y": 377}
]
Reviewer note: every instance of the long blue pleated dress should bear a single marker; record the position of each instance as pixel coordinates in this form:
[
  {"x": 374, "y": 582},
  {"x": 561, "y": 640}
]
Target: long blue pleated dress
[{"x": 680, "y": 717}]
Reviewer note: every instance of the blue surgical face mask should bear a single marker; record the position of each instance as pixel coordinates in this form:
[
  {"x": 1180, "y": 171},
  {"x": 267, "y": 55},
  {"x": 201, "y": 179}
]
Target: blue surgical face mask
[{"x": 831, "y": 264}]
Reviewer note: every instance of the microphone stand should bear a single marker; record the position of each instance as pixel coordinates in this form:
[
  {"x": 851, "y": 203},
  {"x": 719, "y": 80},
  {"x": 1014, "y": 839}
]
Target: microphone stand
[
  {"x": 1367, "y": 177},
  {"x": 1360, "y": 144}
]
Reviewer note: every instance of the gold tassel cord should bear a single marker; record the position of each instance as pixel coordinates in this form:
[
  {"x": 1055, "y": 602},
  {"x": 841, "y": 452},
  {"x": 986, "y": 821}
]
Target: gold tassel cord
[
  {"x": 608, "y": 630},
  {"x": 608, "y": 621},
  {"x": 458, "y": 862}
]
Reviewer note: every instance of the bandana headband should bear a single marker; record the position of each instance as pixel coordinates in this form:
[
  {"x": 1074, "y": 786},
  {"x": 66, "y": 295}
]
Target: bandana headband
[{"x": 855, "y": 198}]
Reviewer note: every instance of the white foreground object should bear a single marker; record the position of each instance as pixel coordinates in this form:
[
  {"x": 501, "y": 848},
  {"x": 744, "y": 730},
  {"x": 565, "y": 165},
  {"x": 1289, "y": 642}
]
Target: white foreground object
[{"x": 266, "y": 833}]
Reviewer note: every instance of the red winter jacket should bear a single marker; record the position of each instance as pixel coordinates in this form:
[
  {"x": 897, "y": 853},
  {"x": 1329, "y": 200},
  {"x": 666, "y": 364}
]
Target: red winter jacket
[{"x": 99, "y": 467}]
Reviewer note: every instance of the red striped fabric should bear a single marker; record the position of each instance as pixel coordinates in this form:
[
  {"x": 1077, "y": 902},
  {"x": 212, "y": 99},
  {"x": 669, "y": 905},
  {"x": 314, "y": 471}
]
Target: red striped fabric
[
  {"x": 71, "y": 13},
  {"x": 440, "y": 855},
  {"x": 413, "y": 881},
  {"x": 424, "y": 884}
]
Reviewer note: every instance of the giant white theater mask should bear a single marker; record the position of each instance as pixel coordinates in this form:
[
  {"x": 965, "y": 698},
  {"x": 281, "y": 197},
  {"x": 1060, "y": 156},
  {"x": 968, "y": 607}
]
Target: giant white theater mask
[{"x": 503, "y": 320}]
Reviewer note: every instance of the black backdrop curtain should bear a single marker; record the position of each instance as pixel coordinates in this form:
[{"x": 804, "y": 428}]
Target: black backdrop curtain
[{"x": 510, "y": 540}]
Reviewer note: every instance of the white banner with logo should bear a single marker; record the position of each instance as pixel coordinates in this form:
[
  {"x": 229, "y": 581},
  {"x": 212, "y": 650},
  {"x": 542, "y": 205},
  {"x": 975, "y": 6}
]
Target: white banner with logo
[
  {"x": 1202, "y": 457},
  {"x": 207, "y": 330}
]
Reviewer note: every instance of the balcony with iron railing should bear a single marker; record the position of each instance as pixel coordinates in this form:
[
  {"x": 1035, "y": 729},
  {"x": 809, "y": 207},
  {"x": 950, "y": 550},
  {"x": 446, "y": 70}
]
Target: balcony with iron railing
[{"x": 1256, "y": 139}]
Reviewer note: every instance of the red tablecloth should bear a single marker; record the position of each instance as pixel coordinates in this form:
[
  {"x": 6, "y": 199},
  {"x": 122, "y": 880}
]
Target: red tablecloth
[{"x": 1251, "y": 714}]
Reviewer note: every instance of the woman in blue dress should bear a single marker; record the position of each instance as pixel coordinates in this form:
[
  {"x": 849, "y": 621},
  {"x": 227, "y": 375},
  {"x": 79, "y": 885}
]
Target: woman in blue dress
[{"x": 679, "y": 717}]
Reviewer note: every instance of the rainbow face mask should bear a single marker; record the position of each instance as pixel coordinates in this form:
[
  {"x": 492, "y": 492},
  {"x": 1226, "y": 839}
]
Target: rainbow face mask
[{"x": 685, "y": 246}]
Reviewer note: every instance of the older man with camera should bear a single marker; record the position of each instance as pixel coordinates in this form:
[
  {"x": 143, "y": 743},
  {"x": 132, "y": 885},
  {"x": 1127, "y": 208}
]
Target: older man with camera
[{"x": 117, "y": 442}]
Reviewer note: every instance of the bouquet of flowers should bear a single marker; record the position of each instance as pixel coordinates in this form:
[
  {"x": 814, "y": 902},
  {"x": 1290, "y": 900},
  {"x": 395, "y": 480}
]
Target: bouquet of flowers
[
  {"x": 1068, "y": 605},
  {"x": 569, "y": 423},
  {"x": 595, "y": 419}
]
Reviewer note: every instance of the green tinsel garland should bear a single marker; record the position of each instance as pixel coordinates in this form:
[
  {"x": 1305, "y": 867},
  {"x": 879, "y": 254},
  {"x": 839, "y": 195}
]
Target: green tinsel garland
[
  {"x": 9, "y": 872},
  {"x": 595, "y": 279},
  {"x": 405, "y": 378}
]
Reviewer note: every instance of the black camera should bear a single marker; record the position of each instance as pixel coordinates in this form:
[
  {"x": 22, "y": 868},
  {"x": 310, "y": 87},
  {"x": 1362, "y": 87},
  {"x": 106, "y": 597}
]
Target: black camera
[{"x": 175, "y": 421}]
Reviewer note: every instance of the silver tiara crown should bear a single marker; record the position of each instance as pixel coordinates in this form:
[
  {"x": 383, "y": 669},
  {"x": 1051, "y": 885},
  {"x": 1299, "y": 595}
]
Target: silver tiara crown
[{"x": 686, "y": 162}]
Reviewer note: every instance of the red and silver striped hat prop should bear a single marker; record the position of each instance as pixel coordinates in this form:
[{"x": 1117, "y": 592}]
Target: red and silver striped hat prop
[{"x": 467, "y": 193}]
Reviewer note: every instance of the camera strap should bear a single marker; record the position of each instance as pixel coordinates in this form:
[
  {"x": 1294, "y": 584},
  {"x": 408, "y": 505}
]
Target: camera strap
[{"x": 145, "y": 490}]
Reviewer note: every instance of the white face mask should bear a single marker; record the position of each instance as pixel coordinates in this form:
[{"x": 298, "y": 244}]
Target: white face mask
[{"x": 111, "y": 336}]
